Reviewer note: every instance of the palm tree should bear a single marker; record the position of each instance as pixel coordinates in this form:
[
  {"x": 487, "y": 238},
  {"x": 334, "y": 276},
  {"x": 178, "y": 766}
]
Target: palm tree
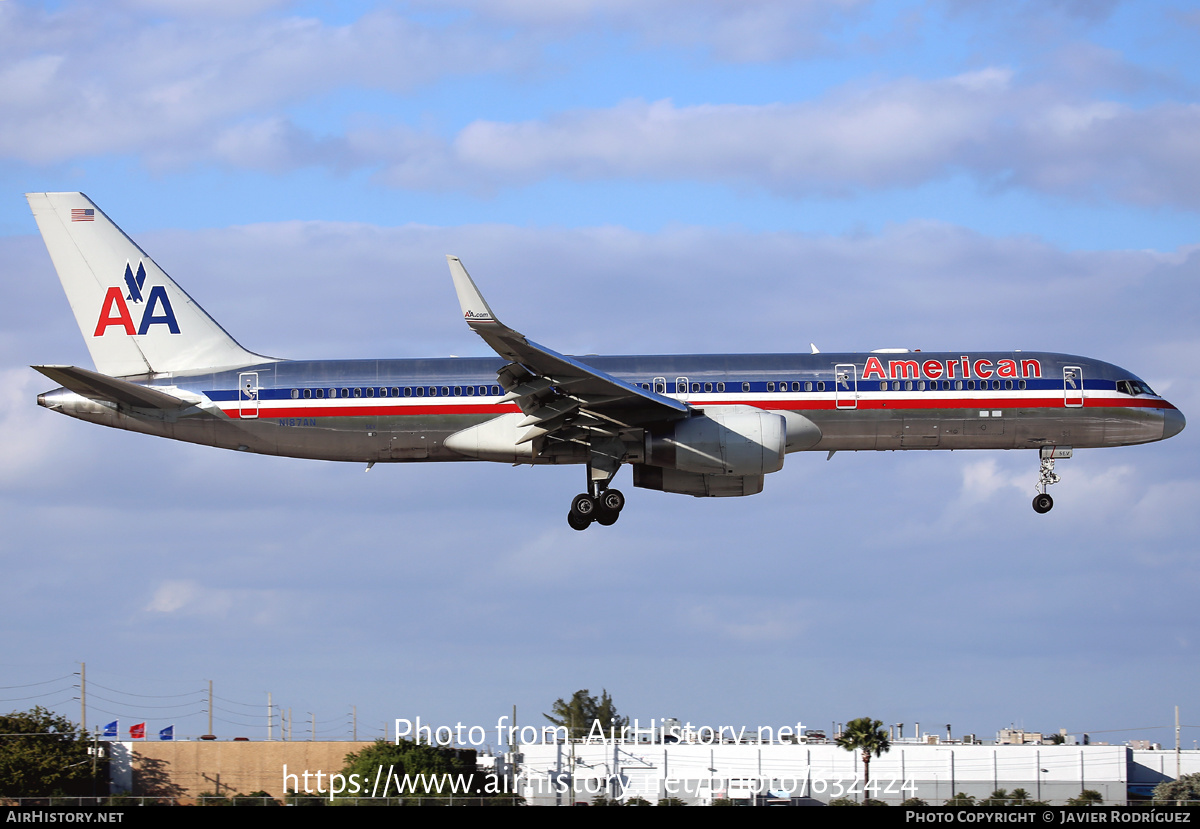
[{"x": 869, "y": 737}]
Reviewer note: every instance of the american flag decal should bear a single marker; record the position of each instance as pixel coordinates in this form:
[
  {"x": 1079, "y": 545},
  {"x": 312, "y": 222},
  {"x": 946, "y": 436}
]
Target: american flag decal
[{"x": 83, "y": 214}]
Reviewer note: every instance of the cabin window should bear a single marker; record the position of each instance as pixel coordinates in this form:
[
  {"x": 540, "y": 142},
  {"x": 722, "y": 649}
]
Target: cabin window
[
  {"x": 458, "y": 391},
  {"x": 445, "y": 391},
  {"x": 660, "y": 387},
  {"x": 883, "y": 385},
  {"x": 920, "y": 385},
  {"x": 470, "y": 391},
  {"x": 358, "y": 392},
  {"x": 496, "y": 390},
  {"x": 745, "y": 387},
  {"x": 420, "y": 391},
  {"x": 808, "y": 385},
  {"x": 770, "y": 385},
  {"x": 1008, "y": 385},
  {"x": 307, "y": 394},
  {"x": 958, "y": 385},
  {"x": 820, "y": 385},
  {"x": 408, "y": 391},
  {"x": 295, "y": 394},
  {"x": 908, "y": 385},
  {"x": 708, "y": 387}
]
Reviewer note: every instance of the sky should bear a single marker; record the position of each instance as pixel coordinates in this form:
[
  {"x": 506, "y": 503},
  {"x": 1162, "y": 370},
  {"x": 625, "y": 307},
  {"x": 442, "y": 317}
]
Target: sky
[{"x": 621, "y": 177}]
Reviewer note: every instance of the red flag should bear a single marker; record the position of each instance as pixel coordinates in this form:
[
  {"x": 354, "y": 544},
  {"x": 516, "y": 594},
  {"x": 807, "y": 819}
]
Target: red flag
[{"x": 137, "y": 732}]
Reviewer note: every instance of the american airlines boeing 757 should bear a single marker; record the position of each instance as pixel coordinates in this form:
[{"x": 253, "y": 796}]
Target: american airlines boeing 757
[{"x": 702, "y": 425}]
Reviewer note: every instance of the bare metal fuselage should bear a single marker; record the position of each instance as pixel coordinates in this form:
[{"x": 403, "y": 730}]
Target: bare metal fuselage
[{"x": 370, "y": 411}]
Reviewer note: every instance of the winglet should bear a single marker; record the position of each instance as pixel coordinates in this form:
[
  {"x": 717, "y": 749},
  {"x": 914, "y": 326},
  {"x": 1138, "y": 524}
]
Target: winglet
[{"x": 474, "y": 307}]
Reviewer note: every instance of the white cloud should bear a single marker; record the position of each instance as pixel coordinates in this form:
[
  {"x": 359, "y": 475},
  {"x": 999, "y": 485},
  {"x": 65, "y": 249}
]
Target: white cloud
[
  {"x": 180, "y": 89},
  {"x": 740, "y": 31},
  {"x": 186, "y": 597},
  {"x": 92, "y": 80},
  {"x": 896, "y": 134}
]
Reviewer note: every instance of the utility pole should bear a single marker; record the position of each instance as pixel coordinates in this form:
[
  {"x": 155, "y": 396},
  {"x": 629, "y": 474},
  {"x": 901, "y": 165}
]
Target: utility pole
[
  {"x": 268, "y": 716},
  {"x": 1176, "y": 742},
  {"x": 354, "y": 712},
  {"x": 83, "y": 696},
  {"x": 210, "y": 731}
]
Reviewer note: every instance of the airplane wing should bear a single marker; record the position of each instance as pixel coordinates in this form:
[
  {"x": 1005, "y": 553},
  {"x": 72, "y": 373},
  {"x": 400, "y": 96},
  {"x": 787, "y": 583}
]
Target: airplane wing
[
  {"x": 101, "y": 387},
  {"x": 559, "y": 395}
]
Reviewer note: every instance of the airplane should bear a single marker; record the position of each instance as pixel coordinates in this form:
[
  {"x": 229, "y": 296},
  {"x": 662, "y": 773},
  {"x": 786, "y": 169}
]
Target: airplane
[{"x": 703, "y": 425}]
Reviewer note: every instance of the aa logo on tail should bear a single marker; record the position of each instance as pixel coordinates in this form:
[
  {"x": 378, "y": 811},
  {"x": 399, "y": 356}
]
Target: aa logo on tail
[{"x": 156, "y": 308}]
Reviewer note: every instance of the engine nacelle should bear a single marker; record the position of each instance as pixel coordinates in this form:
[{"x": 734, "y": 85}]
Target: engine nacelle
[
  {"x": 745, "y": 442},
  {"x": 695, "y": 483}
]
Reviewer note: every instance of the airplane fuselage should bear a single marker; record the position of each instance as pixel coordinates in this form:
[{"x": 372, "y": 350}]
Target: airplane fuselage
[{"x": 404, "y": 410}]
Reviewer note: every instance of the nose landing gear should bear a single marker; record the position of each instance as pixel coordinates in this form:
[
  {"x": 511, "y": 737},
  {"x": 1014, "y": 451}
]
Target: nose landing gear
[{"x": 1042, "y": 502}]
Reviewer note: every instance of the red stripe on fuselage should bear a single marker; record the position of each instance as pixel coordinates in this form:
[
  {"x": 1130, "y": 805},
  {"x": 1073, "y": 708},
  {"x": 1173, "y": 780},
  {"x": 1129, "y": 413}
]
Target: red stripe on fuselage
[{"x": 890, "y": 404}]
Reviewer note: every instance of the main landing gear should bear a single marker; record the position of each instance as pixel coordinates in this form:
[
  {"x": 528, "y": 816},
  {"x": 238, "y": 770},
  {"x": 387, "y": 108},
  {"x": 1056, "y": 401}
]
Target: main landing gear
[
  {"x": 1042, "y": 502},
  {"x": 599, "y": 503},
  {"x": 604, "y": 509}
]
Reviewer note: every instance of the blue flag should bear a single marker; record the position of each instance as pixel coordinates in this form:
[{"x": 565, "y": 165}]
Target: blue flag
[
  {"x": 110, "y": 730},
  {"x": 167, "y": 733}
]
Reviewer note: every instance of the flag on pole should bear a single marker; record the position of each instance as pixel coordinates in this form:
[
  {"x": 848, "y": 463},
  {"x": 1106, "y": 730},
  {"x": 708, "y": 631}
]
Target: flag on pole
[
  {"x": 167, "y": 733},
  {"x": 110, "y": 730},
  {"x": 137, "y": 732}
]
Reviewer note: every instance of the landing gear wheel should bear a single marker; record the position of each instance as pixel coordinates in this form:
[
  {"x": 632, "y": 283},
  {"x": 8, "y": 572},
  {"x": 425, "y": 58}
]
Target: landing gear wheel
[
  {"x": 606, "y": 517},
  {"x": 612, "y": 500},
  {"x": 1042, "y": 503},
  {"x": 578, "y": 522},
  {"x": 583, "y": 506}
]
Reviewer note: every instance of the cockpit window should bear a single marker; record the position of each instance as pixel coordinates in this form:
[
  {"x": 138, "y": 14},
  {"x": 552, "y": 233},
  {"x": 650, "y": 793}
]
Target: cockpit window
[{"x": 1134, "y": 387}]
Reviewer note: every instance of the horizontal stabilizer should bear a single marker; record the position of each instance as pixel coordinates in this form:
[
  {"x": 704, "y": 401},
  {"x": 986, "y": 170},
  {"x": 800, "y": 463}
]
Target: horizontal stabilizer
[{"x": 101, "y": 387}]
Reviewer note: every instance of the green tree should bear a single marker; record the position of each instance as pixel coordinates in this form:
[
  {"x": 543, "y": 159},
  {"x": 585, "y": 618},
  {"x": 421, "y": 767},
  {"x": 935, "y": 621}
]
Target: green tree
[
  {"x": 1187, "y": 787},
  {"x": 579, "y": 713},
  {"x": 42, "y": 754},
  {"x": 1087, "y": 797},
  {"x": 868, "y": 736},
  {"x": 432, "y": 771}
]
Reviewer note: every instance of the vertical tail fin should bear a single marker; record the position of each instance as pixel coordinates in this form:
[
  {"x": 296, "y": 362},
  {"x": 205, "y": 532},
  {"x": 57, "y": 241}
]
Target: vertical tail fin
[{"x": 133, "y": 317}]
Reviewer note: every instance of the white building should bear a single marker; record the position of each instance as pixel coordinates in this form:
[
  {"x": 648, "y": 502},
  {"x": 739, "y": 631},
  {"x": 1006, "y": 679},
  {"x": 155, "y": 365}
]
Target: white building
[{"x": 818, "y": 773}]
